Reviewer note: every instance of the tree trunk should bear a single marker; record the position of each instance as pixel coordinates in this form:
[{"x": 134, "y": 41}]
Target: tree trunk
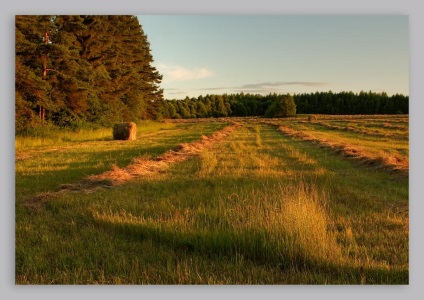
[
  {"x": 41, "y": 114},
  {"x": 42, "y": 111}
]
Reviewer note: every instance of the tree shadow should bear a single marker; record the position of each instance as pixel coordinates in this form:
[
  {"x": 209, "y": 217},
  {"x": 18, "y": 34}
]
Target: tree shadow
[{"x": 252, "y": 246}]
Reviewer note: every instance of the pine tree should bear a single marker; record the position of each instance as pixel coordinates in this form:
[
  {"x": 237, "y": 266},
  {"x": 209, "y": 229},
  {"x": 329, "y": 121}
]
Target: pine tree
[
  {"x": 84, "y": 68},
  {"x": 283, "y": 106},
  {"x": 32, "y": 92},
  {"x": 119, "y": 52}
]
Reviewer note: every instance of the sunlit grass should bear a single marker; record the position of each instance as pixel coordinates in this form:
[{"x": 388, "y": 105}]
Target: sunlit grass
[
  {"x": 390, "y": 150},
  {"x": 45, "y": 167},
  {"x": 384, "y": 130},
  {"x": 43, "y": 137},
  {"x": 259, "y": 207},
  {"x": 286, "y": 226}
]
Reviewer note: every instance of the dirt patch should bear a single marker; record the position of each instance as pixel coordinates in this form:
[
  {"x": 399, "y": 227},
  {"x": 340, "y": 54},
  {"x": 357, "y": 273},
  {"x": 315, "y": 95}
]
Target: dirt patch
[
  {"x": 38, "y": 201},
  {"x": 140, "y": 166}
]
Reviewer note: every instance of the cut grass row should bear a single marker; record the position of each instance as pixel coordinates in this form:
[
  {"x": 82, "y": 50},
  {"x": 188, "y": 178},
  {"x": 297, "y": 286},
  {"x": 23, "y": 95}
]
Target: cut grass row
[
  {"x": 391, "y": 151},
  {"x": 47, "y": 165},
  {"x": 383, "y": 125},
  {"x": 259, "y": 207},
  {"x": 379, "y": 131}
]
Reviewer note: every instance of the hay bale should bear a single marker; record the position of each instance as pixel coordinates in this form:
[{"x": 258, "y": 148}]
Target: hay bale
[
  {"x": 312, "y": 118},
  {"x": 125, "y": 131}
]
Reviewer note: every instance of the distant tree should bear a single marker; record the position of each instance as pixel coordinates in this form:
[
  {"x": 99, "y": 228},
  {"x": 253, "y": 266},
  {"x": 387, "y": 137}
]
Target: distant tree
[
  {"x": 274, "y": 105},
  {"x": 283, "y": 106},
  {"x": 220, "y": 110},
  {"x": 201, "y": 111},
  {"x": 183, "y": 109}
]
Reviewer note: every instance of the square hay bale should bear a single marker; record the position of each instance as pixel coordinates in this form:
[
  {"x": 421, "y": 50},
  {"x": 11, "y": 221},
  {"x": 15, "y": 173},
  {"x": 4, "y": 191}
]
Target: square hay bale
[{"x": 125, "y": 131}]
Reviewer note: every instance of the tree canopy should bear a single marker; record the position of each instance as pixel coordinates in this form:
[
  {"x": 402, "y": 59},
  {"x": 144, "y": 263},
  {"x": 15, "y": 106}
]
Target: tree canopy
[
  {"x": 83, "y": 69},
  {"x": 285, "y": 105},
  {"x": 72, "y": 70}
]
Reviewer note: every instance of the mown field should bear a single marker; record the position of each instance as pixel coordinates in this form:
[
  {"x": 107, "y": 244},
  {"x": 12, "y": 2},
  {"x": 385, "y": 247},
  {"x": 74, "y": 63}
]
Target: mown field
[{"x": 217, "y": 201}]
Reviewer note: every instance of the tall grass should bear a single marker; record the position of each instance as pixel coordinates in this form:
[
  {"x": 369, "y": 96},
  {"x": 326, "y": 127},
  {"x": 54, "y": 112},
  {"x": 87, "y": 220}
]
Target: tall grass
[
  {"x": 286, "y": 226},
  {"x": 49, "y": 136},
  {"x": 208, "y": 163}
]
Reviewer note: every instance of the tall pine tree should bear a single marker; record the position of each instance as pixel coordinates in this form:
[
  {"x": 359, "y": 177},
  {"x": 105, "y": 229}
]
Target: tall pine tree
[{"x": 72, "y": 69}]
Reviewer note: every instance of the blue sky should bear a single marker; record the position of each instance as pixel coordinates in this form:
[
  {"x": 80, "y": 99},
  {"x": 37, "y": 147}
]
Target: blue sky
[{"x": 216, "y": 54}]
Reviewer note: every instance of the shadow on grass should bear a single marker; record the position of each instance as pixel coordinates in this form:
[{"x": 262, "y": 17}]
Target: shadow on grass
[
  {"x": 254, "y": 246},
  {"x": 93, "y": 163},
  {"x": 96, "y": 162}
]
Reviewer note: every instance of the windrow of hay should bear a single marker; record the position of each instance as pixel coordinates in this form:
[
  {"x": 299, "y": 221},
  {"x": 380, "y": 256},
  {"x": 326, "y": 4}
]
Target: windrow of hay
[
  {"x": 392, "y": 118},
  {"x": 213, "y": 120},
  {"x": 312, "y": 118},
  {"x": 140, "y": 166},
  {"x": 392, "y": 163},
  {"x": 403, "y": 136},
  {"x": 398, "y": 127}
]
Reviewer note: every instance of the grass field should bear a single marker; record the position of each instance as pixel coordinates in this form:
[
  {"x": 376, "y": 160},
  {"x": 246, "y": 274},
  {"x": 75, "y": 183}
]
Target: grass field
[{"x": 279, "y": 201}]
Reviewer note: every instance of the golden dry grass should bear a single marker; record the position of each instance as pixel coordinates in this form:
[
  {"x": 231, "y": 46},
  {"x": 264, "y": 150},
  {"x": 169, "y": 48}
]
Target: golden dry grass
[
  {"x": 393, "y": 163},
  {"x": 140, "y": 167},
  {"x": 352, "y": 128},
  {"x": 249, "y": 206}
]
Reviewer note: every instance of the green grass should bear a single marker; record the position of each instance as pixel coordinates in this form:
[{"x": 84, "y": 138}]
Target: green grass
[
  {"x": 46, "y": 165},
  {"x": 373, "y": 146},
  {"x": 257, "y": 208}
]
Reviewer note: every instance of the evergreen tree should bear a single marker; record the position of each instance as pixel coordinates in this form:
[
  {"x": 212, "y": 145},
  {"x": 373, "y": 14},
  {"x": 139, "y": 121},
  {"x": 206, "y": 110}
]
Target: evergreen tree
[
  {"x": 283, "y": 106},
  {"x": 119, "y": 52},
  {"x": 220, "y": 110},
  {"x": 32, "y": 91},
  {"x": 84, "y": 68}
]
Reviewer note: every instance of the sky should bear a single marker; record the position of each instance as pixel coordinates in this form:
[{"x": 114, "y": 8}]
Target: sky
[{"x": 262, "y": 54}]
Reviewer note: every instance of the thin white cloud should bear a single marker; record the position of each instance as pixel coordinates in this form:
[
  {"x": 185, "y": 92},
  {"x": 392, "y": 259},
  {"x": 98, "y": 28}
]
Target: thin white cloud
[
  {"x": 178, "y": 73},
  {"x": 177, "y": 92},
  {"x": 267, "y": 87},
  {"x": 284, "y": 83}
]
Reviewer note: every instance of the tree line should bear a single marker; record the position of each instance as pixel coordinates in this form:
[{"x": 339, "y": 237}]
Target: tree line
[
  {"x": 84, "y": 70},
  {"x": 285, "y": 105},
  {"x": 76, "y": 70},
  {"x": 229, "y": 105},
  {"x": 349, "y": 103}
]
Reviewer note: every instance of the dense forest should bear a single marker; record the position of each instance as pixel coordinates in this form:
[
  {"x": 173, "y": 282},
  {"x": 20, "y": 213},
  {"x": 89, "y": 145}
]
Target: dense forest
[
  {"x": 275, "y": 105},
  {"x": 233, "y": 105},
  {"x": 75, "y": 71}
]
